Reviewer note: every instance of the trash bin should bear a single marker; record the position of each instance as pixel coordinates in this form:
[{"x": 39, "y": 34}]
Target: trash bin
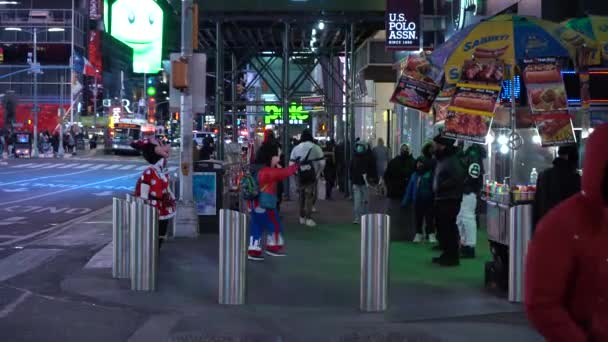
[{"x": 208, "y": 189}]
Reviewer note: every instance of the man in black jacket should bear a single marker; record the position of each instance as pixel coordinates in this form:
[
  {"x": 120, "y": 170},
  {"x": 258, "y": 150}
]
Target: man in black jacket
[
  {"x": 448, "y": 186},
  {"x": 558, "y": 182}
]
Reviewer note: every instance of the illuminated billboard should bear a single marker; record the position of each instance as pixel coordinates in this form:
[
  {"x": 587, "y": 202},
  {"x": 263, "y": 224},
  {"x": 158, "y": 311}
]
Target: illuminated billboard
[{"x": 139, "y": 24}]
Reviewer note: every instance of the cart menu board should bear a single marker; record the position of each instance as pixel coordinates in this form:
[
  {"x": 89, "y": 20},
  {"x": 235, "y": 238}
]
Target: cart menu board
[
  {"x": 416, "y": 88},
  {"x": 472, "y": 107},
  {"x": 548, "y": 101}
]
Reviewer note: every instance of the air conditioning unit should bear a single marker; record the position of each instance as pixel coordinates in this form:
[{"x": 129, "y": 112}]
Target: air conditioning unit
[{"x": 39, "y": 15}]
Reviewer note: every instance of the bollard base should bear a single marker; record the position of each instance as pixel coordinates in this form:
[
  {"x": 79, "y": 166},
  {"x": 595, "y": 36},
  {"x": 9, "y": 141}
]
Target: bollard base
[{"x": 186, "y": 220}]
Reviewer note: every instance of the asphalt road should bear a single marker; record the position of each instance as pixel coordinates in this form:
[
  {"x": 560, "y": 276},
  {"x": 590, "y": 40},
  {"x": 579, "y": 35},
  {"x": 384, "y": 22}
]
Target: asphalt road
[{"x": 37, "y": 195}]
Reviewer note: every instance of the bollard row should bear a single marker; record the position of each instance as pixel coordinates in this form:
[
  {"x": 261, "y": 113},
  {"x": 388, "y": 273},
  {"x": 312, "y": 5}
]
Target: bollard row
[{"x": 135, "y": 242}]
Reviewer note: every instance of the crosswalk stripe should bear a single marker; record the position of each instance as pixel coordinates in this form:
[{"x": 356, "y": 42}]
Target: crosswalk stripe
[
  {"x": 52, "y": 166},
  {"x": 172, "y": 168},
  {"x": 112, "y": 167},
  {"x": 127, "y": 167},
  {"x": 83, "y": 166},
  {"x": 24, "y": 165},
  {"x": 98, "y": 166},
  {"x": 38, "y": 166},
  {"x": 141, "y": 168},
  {"x": 67, "y": 165}
]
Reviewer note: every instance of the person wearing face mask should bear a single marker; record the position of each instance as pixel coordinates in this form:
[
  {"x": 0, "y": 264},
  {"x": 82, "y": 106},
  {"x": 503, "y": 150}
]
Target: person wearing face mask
[
  {"x": 398, "y": 173},
  {"x": 566, "y": 297},
  {"x": 362, "y": 168},
  {"x": 448, "y": 184},
  {"x": 420, "y": 193},
  {"x": 153, "y": 184}
]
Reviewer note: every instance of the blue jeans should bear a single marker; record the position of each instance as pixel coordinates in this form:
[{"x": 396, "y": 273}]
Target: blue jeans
[
  {"x": 269, "y": 219},
  {"x": 360, "y": 201}
]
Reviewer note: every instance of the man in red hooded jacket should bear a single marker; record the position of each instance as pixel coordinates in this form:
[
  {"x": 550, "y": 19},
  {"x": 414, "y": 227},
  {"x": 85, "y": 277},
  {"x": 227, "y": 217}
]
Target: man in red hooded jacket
[{"x": 566, "y": 290}]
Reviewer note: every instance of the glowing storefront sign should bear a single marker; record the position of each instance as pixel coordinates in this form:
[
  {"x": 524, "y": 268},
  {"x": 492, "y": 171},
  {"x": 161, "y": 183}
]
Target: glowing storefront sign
[
  {"x": 139, "y": 24},
  {"x": 274, "y": 114}
]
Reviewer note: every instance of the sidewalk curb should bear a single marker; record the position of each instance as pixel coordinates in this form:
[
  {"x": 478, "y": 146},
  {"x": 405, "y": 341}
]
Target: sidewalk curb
[{"x": 63, "y": 227}]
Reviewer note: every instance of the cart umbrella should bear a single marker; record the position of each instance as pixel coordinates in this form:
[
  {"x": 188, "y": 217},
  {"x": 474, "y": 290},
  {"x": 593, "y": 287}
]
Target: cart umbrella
[
  {"x": 510, "y": 38},
  {"x": 594, "y": 27}
]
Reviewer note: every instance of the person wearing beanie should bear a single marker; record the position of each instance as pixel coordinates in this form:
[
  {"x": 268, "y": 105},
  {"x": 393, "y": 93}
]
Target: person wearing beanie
[
  {"x": 398, "y": 173},
  {"x": 448, "y": 183},
  {"x": 312, "y": 162},
  {"x": 362, "y": 168},
  {"x": 557, "y": 183}
]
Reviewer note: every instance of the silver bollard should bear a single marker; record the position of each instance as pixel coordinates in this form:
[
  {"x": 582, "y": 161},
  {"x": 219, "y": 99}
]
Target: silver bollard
[
  {"x": 233, "y": 257},
  {"x": 520, "y": 233},
  {"x": 144, "y": 246},
  {"x": 120, "y": 239},
  {"x": 375, "y": 239}
]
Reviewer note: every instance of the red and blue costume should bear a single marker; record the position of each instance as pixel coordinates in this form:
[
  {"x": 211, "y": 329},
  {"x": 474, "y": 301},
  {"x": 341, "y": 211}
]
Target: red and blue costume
[{"x": 264, "y": 213}]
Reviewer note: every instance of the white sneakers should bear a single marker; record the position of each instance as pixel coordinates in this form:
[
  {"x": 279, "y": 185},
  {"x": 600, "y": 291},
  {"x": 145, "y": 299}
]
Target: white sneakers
[
  {"x": 418, "y": 238},
  {"x": 311, "y": 223}
]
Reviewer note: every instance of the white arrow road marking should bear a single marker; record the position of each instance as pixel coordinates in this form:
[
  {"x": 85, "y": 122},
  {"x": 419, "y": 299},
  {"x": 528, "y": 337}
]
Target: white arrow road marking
[
  {"x": 12, "y": 220},
  {"x": 15, "y": 190},
  {"x": 104, "y": 193}
]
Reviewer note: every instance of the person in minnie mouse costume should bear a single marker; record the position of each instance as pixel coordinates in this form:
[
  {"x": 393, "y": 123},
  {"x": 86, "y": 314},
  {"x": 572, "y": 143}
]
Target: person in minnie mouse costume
[{"x": 153, "y": 184}]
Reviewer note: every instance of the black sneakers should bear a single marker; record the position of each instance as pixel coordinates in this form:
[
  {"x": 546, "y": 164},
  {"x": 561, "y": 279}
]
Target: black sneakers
[
  {"x": 467, "y": 252},
  {"x": 446, "y": 260}
]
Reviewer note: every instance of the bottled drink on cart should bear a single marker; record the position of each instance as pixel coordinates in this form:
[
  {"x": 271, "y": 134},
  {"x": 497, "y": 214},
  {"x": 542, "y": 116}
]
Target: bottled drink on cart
[{"x": 533, "y": 176}]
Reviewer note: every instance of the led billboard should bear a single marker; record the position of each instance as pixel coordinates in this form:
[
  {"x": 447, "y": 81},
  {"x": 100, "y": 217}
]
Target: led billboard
[{"x": 139, "y": 24}]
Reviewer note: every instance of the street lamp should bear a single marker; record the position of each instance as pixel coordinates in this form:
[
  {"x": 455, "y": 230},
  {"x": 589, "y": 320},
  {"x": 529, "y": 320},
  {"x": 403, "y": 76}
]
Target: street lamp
[{"x": 35, "y": 69}]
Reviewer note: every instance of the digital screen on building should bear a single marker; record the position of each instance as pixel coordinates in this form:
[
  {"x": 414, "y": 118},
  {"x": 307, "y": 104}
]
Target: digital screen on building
[{"x": 139, "y": 24}]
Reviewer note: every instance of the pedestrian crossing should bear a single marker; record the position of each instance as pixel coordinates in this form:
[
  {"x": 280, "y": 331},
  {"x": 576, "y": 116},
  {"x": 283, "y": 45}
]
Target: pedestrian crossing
[{"x": 83, "y": 166}]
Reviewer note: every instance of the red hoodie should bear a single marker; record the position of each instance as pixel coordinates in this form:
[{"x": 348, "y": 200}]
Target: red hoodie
[{"x": 566, "y": 289}]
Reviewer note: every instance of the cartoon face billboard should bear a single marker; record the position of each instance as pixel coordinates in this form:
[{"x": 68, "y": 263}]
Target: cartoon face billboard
[{"x": 139, "y": 24}]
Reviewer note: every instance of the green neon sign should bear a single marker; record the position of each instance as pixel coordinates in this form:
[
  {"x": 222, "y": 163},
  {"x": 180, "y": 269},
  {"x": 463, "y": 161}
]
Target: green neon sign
[
  {"x": 297, "y": 114},
  {"x": 139, "y": 24}
]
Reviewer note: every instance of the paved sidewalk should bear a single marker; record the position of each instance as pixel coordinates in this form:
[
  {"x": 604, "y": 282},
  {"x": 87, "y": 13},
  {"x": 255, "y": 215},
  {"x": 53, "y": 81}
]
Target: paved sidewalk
[{"x": 310, "y": 295}]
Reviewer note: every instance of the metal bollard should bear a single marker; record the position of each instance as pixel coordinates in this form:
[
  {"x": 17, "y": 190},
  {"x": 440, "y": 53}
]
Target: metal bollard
[
  {"x": 375, "y": 239},
  {"x": 144, "y": 246},
  {"x": 120, "y": 239},
  {"x": 520, "y": 233},
  {"x": 233, "y": 257}
]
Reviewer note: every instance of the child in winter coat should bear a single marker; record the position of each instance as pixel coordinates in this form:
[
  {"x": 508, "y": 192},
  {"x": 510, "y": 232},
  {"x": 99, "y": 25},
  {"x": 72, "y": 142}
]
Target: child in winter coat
[{"x": 419, "y": 191}]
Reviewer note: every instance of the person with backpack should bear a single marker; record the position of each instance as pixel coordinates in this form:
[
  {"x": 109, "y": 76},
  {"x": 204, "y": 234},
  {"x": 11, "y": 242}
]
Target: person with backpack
[
  {"x": 311, "y": 163},
  {"x": 362, "y": 170},
  {"x": 259, "y": 188}
]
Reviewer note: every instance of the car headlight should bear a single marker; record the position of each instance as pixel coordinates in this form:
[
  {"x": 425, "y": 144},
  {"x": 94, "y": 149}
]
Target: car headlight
[{"x": 114, "y": 146}]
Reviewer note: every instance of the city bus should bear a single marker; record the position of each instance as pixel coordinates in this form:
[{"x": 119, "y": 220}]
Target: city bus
[{"x": 124, "y": 131}]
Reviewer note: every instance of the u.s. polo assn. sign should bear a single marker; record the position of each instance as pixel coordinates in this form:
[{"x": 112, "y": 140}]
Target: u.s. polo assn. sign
[{"x": 402, "y": 21}]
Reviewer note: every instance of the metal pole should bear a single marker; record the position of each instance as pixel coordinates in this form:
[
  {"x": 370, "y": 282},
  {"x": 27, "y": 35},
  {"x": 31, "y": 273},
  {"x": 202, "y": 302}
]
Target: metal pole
[
  {"x": 375, "y": 239},
  {"x": 144, "y": 246},
  {"x": 285, "y": 99},
  {"x": 235, "y": 128},
  {"x": 95, "y": 101},
  {"x": 36, "y": 68},
  {"x": 60, "y": 150},
  {"x": 219, "y": 88},
  {"x": 72, "y": 68},
  {"x": 520, "y": 233},
  {"x": 186, "y": 218},
  {"x": 120, "y": 239},
  {"x": 145, "y": 97},
  {"x": 233, "y": 257},
  {"x": 353, "y": 81},
  {"x": 329, "y": 107}
]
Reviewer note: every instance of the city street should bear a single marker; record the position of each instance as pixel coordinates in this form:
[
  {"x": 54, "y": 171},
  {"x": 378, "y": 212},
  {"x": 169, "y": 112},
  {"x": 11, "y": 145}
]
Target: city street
[{"x": 36, "y": 196}]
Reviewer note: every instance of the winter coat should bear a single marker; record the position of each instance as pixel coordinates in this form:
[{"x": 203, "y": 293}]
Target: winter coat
[
  {"x": 566, "y": 297},
  {"x": 362, "y": 164},
  {"x": 448, "y": 182},
  {"x": 473, "y": 166},
  {"x": 555, "y": 185},
  {"x": 397, "y": 175},
  {"x": 420, "y": 187}
]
